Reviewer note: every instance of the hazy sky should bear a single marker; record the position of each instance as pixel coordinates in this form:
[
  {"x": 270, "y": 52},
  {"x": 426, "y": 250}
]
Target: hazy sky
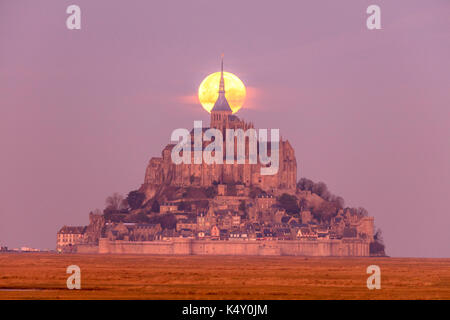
[{"x": 368, "y": 112}]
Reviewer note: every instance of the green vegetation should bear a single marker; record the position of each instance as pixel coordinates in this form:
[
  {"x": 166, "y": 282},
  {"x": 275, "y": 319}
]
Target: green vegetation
[
  {"x": 155, "y": 206},
  {"x": 256, "y": 191},
  {"x": 321, "y": 190},
  {"x": 325, "y": 212},
  {"x": 135, "y": 199},
  {"x": 113, "y": 216},
  {"x": 289, "y": 203},
  {"x": 184, "y": 206},
  {"x": 115, "y": 203},
  {"x": 167, "y": 221},
  {"x": 377, "y": 246},
  {"x": 195, "y": 193},
  {"x": 142, "y": 217}
]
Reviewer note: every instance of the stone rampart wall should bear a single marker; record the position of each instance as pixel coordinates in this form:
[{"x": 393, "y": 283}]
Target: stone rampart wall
[{"x": 319, "y": 248}]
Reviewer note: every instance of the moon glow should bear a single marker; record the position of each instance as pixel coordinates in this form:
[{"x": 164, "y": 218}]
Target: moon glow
[{"x": 235, "y": 91}]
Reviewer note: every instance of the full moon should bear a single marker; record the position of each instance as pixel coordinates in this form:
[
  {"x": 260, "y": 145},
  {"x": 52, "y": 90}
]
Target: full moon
[{"x": 235, "y": 92}]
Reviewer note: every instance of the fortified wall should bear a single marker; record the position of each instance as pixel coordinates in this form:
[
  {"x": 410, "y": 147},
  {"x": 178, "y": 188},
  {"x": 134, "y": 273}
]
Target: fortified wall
[{"x": 319, "y": 248}]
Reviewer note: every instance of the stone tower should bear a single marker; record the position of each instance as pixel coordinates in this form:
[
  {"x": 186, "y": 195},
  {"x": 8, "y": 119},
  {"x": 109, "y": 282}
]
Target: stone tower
[{"x": 221, "y": 111}]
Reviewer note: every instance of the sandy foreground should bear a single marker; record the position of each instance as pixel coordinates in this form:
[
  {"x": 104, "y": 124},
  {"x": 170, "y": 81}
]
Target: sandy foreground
[{"x": 43, "y": 276}]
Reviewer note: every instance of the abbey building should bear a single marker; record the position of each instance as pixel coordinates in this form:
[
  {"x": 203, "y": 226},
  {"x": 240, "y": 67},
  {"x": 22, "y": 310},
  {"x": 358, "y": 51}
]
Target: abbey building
[{"x": 162, "y": 171}]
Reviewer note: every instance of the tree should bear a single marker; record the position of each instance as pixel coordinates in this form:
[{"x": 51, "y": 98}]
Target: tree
[
  {"x": 135, "y": 199},
  {"x": 303, "y": 205},
  {"x": 321, "y": 190},
  {"x": 378, "y": 236},
  {"x": 364, "y": 213},
  {"x": 168, "y": 221},
  {"x": 107, "y": 214},
  {"x": 184, "y": 206},
  {"x": 142, "y": 217},
  {"x": 115, "y": 202},
  {"x": 377, "y": 246},
  {"x": 289, "y": 203},
  {"x": 325, "y": 211},
  {"x": 338, "y": 202},
  {"x": 155, "y": 206},
  {"x": 256, "y": 191},
  {"x": 112, "y": 215},
  {"x": 318, "y": 188},
  {"x": 305, "y": 184}
]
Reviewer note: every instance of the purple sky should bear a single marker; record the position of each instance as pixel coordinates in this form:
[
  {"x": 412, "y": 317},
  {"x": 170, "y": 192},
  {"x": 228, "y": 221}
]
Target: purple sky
[{"x": 368, "y": 112}]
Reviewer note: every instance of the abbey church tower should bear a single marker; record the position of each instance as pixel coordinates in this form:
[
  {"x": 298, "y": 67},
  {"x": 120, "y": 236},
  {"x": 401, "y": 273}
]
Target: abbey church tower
[{"x": 221, "y": 111}]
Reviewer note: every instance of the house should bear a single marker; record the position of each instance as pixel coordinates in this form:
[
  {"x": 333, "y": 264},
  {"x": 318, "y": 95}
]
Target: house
[
  {"x": 226, "y": 221},
  {"x": 144, "y": 232},
  {"x": 224, "y": 234},
  {"x": 256, "y": 226},
  {"x": 203, "y": 223},
  {"x": 278, "y": 216},
  {"x": 118, "y": 231},
  {"x": 168, "y": 207},
  {"x": 268, "y": 234},
  {"x": 169, "y": 234},
  {"x": 189, "y": 223},
  {"x": 240, "y": 190},
  {"x": 186, "y": 233},
  {"x": 69, "y": 236},
  {"x": 235, "y": 220},
  {"x": 221, "y": 189},
  {"x": 294, "y": 224},
  {"x": 265, "y": 202},
  {"x": 306, "y": 233},
  {"x": 238, "y": 235},
  {"x": 282, "y": 233},
  {"x": 322, "y": 233},
  {"x": 259, "y": 236},
  {"x": 215, "y": 232},
  {"x": 181, "y": 215}
]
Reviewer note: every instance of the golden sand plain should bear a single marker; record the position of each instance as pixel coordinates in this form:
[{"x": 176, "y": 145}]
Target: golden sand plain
[{"x": 43, "y": 276}]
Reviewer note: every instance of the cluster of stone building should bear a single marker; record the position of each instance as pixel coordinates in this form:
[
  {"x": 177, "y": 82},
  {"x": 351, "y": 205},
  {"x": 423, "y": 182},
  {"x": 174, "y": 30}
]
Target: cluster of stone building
[
  {"x": 263, "y": 220},
  {"x": 227, "y": 218}
]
